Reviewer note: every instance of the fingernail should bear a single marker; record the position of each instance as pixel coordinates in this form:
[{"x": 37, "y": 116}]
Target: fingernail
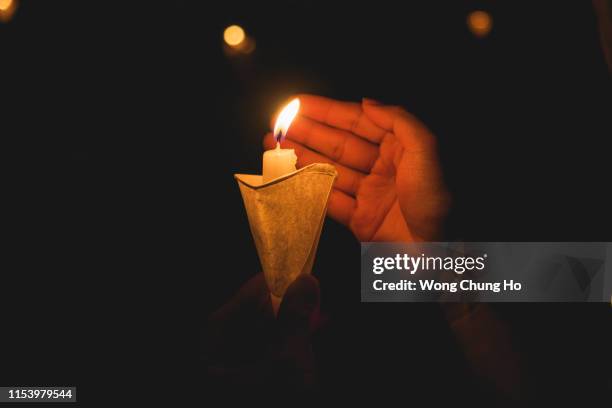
[{"x": 370, "y": 101}]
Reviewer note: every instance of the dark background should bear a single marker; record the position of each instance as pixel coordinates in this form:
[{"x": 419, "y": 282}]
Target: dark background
[{"x": 129, "y": 121}]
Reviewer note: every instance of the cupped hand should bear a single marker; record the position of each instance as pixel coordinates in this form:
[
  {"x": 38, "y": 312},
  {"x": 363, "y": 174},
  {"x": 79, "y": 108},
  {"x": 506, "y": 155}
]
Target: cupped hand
[{"x": 390, "y": 185}]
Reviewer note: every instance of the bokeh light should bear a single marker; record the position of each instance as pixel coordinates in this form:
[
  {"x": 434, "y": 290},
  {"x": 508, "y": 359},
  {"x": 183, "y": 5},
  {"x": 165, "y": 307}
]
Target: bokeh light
[
  {"x": 480, "y": 23},
  {"x": 5, "y": 4},
  {"x": 236, "y": 42},
  {"x": 7, "y": 9},
  {"x": 234, "y": 35}
]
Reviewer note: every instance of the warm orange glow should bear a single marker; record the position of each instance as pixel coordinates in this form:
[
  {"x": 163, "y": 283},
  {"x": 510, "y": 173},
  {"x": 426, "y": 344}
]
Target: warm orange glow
[
  {"x": 5, "y": 4},
  {"x": 234, "y": 35},
  {"x": 7, "y": 10},
  {"x": 285, "y": 118},
  {"x": 480, "y": 23}
]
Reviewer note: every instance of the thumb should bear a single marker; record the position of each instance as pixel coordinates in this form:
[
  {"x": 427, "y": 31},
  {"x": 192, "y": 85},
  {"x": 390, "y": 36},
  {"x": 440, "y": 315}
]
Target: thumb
[
  {"x": 425, "y": 200},
  {"x": 300, "y": 303},
  {"x": 411, "y": 132}
]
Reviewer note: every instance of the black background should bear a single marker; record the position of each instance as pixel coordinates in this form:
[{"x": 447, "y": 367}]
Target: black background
[{"x": 129, "y": 122}]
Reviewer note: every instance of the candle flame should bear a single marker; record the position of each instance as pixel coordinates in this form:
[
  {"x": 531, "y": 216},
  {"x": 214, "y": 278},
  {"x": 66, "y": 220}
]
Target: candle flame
[{"x": 285, "y": 118}]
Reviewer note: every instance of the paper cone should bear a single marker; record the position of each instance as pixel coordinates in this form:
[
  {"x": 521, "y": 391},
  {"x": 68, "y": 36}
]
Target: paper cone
[{"x": 286, "y": 217}]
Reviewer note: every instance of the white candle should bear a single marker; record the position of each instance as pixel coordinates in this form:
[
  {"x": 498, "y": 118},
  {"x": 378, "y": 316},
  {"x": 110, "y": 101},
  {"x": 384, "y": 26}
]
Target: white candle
[{"x": 278, "y": 162}]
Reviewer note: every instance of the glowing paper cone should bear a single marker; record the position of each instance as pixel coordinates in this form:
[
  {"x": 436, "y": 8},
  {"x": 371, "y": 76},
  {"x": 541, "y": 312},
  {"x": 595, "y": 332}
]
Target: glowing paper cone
[{"x": 286, "y": 217}]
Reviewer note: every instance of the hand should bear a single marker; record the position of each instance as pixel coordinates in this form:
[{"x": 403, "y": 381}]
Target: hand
[
  {"x": 389, "y": 185},
  {"x": 246, "y": 345}
]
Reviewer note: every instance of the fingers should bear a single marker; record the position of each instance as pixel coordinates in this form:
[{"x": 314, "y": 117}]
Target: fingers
[
  {"x": 382, "y": 115},
  {"x": 341, "y": 207},
  {"x": 413, "y": 134},
  {"x": 338, "y": 145},
  {"x": 348, "y": 179},
  {"x": 251, "y": 298},
  {"x": 347, "y": 116},
  {"x": 341, "y": 204}
]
